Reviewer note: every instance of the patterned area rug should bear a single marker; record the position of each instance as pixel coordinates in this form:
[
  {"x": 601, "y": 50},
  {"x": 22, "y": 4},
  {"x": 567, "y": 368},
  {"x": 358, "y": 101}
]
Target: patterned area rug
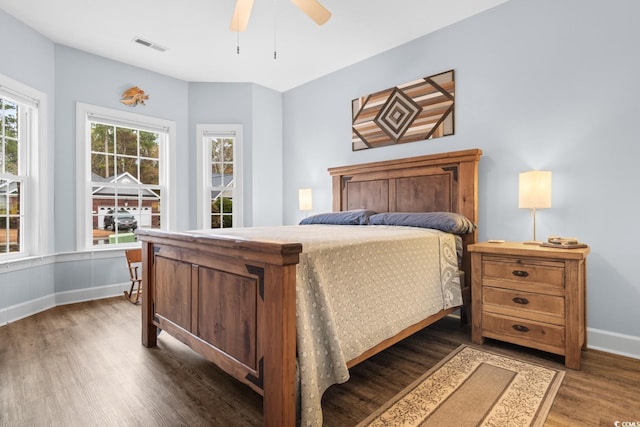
[{"x": 473, "y": 387}]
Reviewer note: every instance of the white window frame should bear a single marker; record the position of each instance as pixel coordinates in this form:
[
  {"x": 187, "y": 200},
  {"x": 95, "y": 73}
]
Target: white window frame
[
  {"x": 203, "y": 170},
  {"x": 33, "y": 154},
  {"x": 85, "y": 114}
]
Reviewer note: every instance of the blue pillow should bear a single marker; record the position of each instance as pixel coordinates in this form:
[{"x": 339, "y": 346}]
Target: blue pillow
[
  {"x": 352, "y": 217},
  {"x": 444, "y": 221}
]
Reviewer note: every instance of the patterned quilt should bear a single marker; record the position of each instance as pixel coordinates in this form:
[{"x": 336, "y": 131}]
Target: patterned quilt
[{"x": 357, "y": 286}]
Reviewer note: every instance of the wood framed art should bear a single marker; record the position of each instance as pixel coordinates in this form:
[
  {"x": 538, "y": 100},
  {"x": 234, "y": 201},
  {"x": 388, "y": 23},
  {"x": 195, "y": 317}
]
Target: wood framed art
[{"x": 415, "y": 111}]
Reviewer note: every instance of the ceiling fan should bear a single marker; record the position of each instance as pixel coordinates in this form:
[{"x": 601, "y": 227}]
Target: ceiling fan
[{"x": 312, "y": 8}]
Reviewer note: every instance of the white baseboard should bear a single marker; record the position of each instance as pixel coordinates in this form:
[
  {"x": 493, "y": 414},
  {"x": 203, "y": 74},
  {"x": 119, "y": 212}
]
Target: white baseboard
[
  {"x": 88, "y": 294},
  {"x": 613, "y": 342},
  {"x": 26, "y": 309}
]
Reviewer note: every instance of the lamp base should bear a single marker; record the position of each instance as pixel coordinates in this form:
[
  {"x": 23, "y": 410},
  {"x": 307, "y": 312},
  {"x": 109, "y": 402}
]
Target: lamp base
[{"x": 532, "y": 242}]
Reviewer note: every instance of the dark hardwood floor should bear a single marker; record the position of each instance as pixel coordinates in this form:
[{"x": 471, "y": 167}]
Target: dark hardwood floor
[{"x": 83, "y": 365}]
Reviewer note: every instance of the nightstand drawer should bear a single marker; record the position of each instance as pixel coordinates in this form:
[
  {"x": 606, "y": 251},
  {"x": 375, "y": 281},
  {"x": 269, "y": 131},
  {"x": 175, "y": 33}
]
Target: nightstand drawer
[
  {"x": 537, "y": 307},
  {"x": 524, "y": 271},
  {"x": 543, "y": 336}
]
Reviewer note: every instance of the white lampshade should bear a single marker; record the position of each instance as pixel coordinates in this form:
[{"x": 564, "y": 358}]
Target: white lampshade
[
  {"x": 304, "y": 199},
  {"x": 534, "y": 190}
]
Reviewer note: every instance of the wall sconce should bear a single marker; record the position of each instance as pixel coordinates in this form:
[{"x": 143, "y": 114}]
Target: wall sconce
[
  {"x": 304, "y": 199},
  {"x": 534, "y": 193}
]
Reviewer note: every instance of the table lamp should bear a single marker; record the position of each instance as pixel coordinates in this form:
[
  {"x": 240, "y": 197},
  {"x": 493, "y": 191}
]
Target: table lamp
[
  {"x": 304, "y": 199},
  {"x": 534, "y": 193}
]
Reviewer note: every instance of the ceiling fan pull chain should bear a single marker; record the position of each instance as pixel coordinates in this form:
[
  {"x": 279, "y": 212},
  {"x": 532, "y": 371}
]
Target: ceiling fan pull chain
[
  {"x": 238, "y": 34},
  {"x": 275, "y": 28}
]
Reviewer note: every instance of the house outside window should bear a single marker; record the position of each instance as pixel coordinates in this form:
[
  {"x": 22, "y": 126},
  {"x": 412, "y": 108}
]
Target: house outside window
[
  {"x": 219, "y": 176},
  {"x": 20, "y": 187},
  {"x": 125, "y": 166}
]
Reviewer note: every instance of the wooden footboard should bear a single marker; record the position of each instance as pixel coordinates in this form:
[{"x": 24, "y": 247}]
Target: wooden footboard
[{"x": 233, "y": 301}]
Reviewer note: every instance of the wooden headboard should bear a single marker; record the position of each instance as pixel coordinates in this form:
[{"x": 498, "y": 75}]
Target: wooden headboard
[{"x": 446, "y": 182}]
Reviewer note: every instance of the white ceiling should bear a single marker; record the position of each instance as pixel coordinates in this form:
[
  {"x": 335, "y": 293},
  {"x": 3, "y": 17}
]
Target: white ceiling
[{"x": 200, "y": 47}]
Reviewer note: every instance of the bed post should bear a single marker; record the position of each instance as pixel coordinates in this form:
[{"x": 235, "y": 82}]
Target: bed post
[
  {"x": 149, "y": 330},
  {"x": 279, "y": 405}
]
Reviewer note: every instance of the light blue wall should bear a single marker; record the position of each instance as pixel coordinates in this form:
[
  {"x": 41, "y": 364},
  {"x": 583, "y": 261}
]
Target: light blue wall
[
  {"x": 534, "y": 89},
  {"x": 36, "y": 70},
  {"x": 91, "y": 79},
  {"x": 539, "y": 85},
  {"x": 220, "y": 103},
  {"x": 266, "y": 194},
  {"x": 259, "y": 111},
  {"x": 87, "y": 78},
  {"x": 65, "y": 274}
]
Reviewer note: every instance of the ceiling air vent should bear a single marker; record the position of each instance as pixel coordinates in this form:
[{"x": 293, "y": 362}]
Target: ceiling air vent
[{"x": 147, "y": 43}]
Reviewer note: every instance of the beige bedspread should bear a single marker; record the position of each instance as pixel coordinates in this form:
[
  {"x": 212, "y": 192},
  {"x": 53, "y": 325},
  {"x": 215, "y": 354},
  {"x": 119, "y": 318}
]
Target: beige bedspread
[{"x": 357, "y": 286}]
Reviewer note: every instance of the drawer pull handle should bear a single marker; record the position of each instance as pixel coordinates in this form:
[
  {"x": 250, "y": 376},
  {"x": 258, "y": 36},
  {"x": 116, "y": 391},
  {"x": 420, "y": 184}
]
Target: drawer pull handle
[
  {"x": 520, "y": 328},
  {"x": 520, "y": 273},
  {"x": 519, "y": 300}
]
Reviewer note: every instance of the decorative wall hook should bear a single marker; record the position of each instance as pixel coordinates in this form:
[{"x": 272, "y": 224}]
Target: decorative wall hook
[{"x": 133, "y": 96}]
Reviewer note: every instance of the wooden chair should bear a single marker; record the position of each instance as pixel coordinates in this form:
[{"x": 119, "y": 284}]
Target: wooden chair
[{"x": 134, "y": 262}]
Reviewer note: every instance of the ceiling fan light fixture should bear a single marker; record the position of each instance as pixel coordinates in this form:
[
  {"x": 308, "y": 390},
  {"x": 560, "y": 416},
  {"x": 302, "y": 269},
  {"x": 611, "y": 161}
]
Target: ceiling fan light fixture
[
  {"x": 241, "y": 15},
  {"x": 314, "y": 10}
]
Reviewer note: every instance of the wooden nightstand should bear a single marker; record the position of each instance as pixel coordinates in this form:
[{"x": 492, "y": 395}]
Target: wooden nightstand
[{"x": 530, "y": 295}]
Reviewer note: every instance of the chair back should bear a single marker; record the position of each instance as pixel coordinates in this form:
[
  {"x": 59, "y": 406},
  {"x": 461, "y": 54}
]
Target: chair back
[{"x": 134, "y": 261}]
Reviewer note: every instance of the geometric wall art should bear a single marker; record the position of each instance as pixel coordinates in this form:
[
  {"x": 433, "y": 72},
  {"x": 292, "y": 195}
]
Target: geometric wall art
[{"x": 415, "y": 111}]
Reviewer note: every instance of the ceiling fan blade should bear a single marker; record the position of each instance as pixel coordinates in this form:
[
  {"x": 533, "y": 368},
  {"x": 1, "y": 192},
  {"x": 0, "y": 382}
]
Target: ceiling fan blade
[
  {"x": 314, "y": 10},
  {"x": 241, "y": 15}
]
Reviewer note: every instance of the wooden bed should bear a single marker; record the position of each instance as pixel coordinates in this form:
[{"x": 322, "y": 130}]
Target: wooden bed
[{"x": 234, "y": 300}]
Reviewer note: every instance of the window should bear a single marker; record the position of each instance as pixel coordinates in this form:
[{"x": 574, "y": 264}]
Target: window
[
  {"x": 124, "y": 164},
  {"x": 12, "y": 153},
  {"x": 219, "y": 176},
  {"x": 20, "y": 227}
]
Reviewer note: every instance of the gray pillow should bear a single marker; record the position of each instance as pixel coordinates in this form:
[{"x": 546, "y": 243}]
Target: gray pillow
[
  {"x": 444, "y": 221},
  {"x": 352, "y": 217}
]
